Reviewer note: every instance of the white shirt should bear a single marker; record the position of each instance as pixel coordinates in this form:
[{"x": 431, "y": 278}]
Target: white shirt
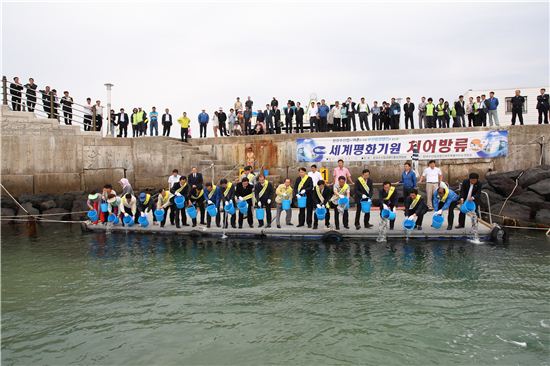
[
  {"x": 313, "y": 111},
  {"x": 98, "y": 110},
  {"x": 432, "y": 175},
  {"x": 336, "y": 112},
  {"x": 315, "y": 177},
  {"x": 363, "y": 107},
  {"x": 172, "y": 180}
]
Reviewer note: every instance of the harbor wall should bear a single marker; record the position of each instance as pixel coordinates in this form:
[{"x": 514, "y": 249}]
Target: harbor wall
[{"x": 42, "y": 156}]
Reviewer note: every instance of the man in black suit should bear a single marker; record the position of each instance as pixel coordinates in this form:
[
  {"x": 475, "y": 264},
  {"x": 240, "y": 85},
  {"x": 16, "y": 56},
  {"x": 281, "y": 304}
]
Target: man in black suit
[
  {"x": 350, "y": 109},
  {"x": 543, "y": 105},
  {"x": 304, "y": 187},
  {"x": 15, "y": 90},
  {"x": 166, "y": 122},
  {"x": 122, "y": 121},
  {"x": 31, "y": 94},
  {"x": 460, "y": 110},
  {"x": 277, "y": 119},
  {"x": 289, "y": 115},
  {"x": 408, "y": 108},
  {"x": 470, "y": 190},
  {"x": 299, "y": 118},
  {"x": 195, "y": 178},
  {"x": 517, "y": 107}
]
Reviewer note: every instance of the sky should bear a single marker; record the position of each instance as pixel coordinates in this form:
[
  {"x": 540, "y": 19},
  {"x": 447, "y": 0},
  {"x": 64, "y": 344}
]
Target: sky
[{"x": 193, "y": 55}]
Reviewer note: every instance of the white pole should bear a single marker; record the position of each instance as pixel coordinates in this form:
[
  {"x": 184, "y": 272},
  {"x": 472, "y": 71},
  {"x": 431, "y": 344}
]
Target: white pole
[{"x": 109, "y": 128}]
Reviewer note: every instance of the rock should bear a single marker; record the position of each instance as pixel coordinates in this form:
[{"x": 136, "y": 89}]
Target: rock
[
  {"x": 79, "y": 206},
  {"x": 4, "y": 211},
  {"x": 30, "y": 209},
  {"x": 493, "y": 198},
  {"x": 63, "y": 214},
  {"x": 65, "y": 201},
  {"x": 530, "y": 199},
  {"x": 514, "y": 210},
  {"x": 542, "y": 188},
  {"x": 35, "y": 199},
  {"x": 534, "y": 175},
  {"x": 7, "y": 202},
  {"x": 46, "y": 205},
  {"x": 505, "y": 186},
  {"x": 543, "y": 216},
  {"x": 492, "y": 176}
]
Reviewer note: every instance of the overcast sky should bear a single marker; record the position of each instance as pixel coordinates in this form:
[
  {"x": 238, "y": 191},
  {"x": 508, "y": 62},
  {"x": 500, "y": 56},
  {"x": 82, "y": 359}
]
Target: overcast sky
[{"x": 193, "y": 55}]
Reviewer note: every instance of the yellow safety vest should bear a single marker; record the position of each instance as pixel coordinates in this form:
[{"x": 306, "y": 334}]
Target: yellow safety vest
[
  {"x": 440, "y": 109},
  {"x": 364, "y": 184},
  {"x": 226, "y": 192},
  {"x": 211, "y": 193},
  {"x": 302, "y": 182},
  {"x": 390, "y": 193},
  {"x": 201, "y": 192},
  {"x": 264, "y": 188},
  {"x": 415, "y": 201},
  {"x": 429, "y": 110},
  {"x": 444, "y": 198},
  {"x": 343, "y": 189}
]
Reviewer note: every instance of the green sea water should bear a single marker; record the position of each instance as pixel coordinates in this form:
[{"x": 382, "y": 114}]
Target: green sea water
[{"x": 115, "y": 299}]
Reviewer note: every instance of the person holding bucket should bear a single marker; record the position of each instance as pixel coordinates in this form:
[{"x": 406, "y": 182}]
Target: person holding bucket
[
  {"x": 128, "y": 207},
  {"x": 180, "y": 190},
  {"x": 213, "y": 197},
  {"x": 470, "y": 191},
  {"x": 163, "y": 203},
  {"x": 93, "y": 203},
  {"x": 415, "y": 208},
  {"x": 107, "y": 190},
  {"x": 303, "y": 188},
  {"x": 263, "y": 190},
  {"x": 340, "y": 202},
  {"x": 196, "y": 198},
  {"x": 445, "y": 199},
  {"x": 363, "y": 194},
  {"x": 228, "y": 200},
  {"x": 145, "y": 205},
  {"x": 388, "y": 200},
  {"x": 321, "y": 200},
  {"x": 245, "y": 193},
  {"x": 283, "y": 199}
]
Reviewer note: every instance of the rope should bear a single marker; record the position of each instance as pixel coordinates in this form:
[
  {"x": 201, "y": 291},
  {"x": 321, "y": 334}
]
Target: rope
[
  {"x": 45, "y": 220},
  {"x": 506, "y": 200},
  {"x": 52, "y": 214},
  {"x": 18, "y": 204},
  {"x": 516, "y": 227}
]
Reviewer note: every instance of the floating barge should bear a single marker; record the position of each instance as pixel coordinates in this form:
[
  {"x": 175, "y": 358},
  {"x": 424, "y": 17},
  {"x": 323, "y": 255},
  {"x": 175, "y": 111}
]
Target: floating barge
[{"x": 485, "y": 231}]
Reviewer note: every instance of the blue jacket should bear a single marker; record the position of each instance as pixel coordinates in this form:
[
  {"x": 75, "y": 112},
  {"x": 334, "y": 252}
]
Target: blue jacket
[
  {"x": 408, "y": 180},
  {"x": 203, "y": 117},
  {"x": 216, "y": 197},
  {"x": 395, "y": 109},
  {"x": 323, "y": 110},
  {"x": 493, "y": 103},
  {"x": 450, "y": 199}
]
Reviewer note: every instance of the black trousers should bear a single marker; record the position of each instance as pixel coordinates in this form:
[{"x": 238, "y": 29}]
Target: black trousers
[
  {"x": 218, "y": 220},
  {"x": 306, "y": 214},
  {"x": 200, "y": 208},
  {"x": 184, "y": 133},
  {"x": 376, "y": 122},
  {"x": 163, "y": 222},
  {"x": 68, "y": 116},
  {"x": 299, "y": 125},
  {"x": 226, "y": 218},
  {"x": 470, "y": 119},
  {"x": 98, "y": 122},
  {"x": 483, "y": 117},
  {"x": 441, "y": 121},
  {"x": 16, "y": 103},
  {"x": 462, "y": 217},
  {"x": 337, "y": 218},
  {"x": 313, "y": 124},
  {"x": 123, "y": 129},
  {"x": 322, "y": 124},
  {"x": 202, "y": 129},
  {"x": 543, "y": 114},
  {"x": 316, "y": 220},
  {"x": 430, "y": 122},
  {"x": 166, "y": 128},
  {"x": 248, "y": 216},
  {"x": 364, "y": 121},
  {"x": 31, "y": 103},
  {"x": 223, "y": 129},
  {"x": 336, "y": 124},
  {"x": 345, "y": 124},
  {"x": 351, "y": 122},
  {"x": 407, "y": 118},
  {"x": 87, "y": 122},
  {"x": 135, "y": 130},
  {"x": 288, "y": 125},
  {"x": 395, "y": 121},
  {"x": 366, "y": 216},
  {"x": 519, "y": 114},
  {"x": 178, "y": 215},
  {"x": 267, "y": 208},
  {"x": 451, "y": 214}
]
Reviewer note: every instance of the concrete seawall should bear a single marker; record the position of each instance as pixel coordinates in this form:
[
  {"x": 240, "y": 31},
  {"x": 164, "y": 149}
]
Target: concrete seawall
[{"x": 42, "y": 156}]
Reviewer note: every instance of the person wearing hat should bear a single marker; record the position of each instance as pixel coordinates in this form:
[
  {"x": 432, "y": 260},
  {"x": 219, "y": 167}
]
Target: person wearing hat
[
  {"x": 228, "y": 195},
  {"x": 196, "y": 198},
  {"x": 415, "y": 207},
  {"x": 163, "y": 203},
  {"x": 445, "y": 199},
  {"x": 126, "y": 187},
  {"x": 144, "y": 205},
  {"x": 128, "y": 206},
  {"x": 114, "y": 203},
  {"x": 94, "y": 200},
  {"x": 179, "y": 189}
]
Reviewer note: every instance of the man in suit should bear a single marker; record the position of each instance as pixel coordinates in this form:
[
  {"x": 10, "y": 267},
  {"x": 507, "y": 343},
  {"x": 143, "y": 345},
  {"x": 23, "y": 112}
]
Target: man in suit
[
  {"x": 299, "y": 118},
  {"x": 122, "y": 121},
  {"x": 289, "y": 115},
  {"x": 268, "y": 115},
  {"x": 460, "y": 109},
  {"x": 15, "y": 90},
  {"x": 350, "y": 108},
  {"x": 470, "y": 190},
  {"x": 31, "y": 95},
  {"x": 517, "y": 107},
  {"x": 415, "y": 207},
  {"x": 363, "y": 192},
  {"x": 543, "y": 105},
  {"x": 195, "y": 179},
  {"x": 277, "y": 119},
  {"x": 408, "y": 108},
  {"x": 303, "y": 186},
  {"x": 166, "y": 122}
]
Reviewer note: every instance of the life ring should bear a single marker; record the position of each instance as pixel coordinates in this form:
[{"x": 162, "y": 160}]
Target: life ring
[
  {"x": 499, "y": 235},
  {"x": 332, "y": 236}
]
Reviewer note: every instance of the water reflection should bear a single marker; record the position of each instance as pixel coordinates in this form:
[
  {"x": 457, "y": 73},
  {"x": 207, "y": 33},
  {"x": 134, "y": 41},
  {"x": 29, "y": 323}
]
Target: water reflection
[{"x": 442, "y": 259}]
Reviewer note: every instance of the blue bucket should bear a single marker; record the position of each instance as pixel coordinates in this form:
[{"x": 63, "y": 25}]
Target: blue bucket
[
  {"x": 468, "y": 206},
  {"x": 344, "y": 201},
  {"x": 266, "y": 172},
  {"x": 180, "y": 202},
  {"x": 192, "y": 212},
  {"x": 143, "y": 221},
  {"x": 92, "y": 215},
  {"x": 321, "y": 213},
  {"x": 113, "y": 218},
  {"x": 159, "y": 215},
  {"x": 302, "y": 201},
  {"x": 387, "y": 214},
  {"x": 409, "y": 224},
  {"x": 128, "y": 220},
  {"x": 437, "y": 221},
  {"x": 243, "y": 207},
  {"x": 229, "y": 208},
  {"x": 104, "y": 207},
  {"x": 365, "y": 206},
  {"x": 260, "y": 213},
  {"x": 212, "y": 210},
  {"x": 285, "y": 204}
]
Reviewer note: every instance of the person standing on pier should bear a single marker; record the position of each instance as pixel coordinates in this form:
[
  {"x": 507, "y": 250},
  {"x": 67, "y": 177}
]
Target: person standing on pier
[
  {"x": 222, "y": 118},
  {"x": 433, "y": 177},
  {"x": 408, "y": 109},
  {"x": 337, "y": 116},
  {"x": 341, "y": 190},
  {"x": 203, "y": 122},
  {"x": 245, "y": 192},
  {"x": 313, "y": 113},
  {"x": 128, "y": 206},
  {"x": 395, "y": 114},
  {"x": 228, "y": 196},
  {"x": 67, "y": 107},
  {"x": 31, "y": 94},
  {"x": 299, "y": 112},
  {"x": 422, "y": 112},
  {"x": 238, "y": 105},
  {"x": 289, "y": 116},
  {"x": 321, "y": 197},
  {"x": 543, "y": 105},
  {"x": 315, "y": 174},
  {"x": 517, "y": 107},
  {"x": 375, "y": 116},
  {"x": 415, "y": 208},
  {"x": 154, "y": 124},
  {"x": 263, "y": 190},
  {"x": 363, "y": 110},
  {"x": 350, "y": 108},
  {"x": 323, "y": 117},
  {"x": 341, "y": 170},
  {"x": 184, "y": 122},
  {"x": 363, "y": 192},
  {"x": 460, "y": 110},
  {"x": 166, "y": 123},
  {"x": 196, "y": 198},
  {"x": 388, "y": 200},
  {"x": 213, "y": 197},
  {"x": 492, "y": 105},
  {"x": 470, "y": 190},
  {"x": 180, "y": 188},
  {"x": 483, "y": 107},
  {"x": 163, "y": 203},
  {"x": 123, "y": 121},
  {"x": 445, "y": 199},
  {"x": 195, "y": 178},
  {"x": 304, "y": 187},
  {"x": 430, "y": 114},
  {"x": 145, "y": 205},
  {"x": 16, "y": 89},
  {"x": 283, "y": 192}
]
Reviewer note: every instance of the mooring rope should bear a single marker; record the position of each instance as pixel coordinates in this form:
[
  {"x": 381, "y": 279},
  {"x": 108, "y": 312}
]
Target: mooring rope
[{"x": 18, "y": 204}]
